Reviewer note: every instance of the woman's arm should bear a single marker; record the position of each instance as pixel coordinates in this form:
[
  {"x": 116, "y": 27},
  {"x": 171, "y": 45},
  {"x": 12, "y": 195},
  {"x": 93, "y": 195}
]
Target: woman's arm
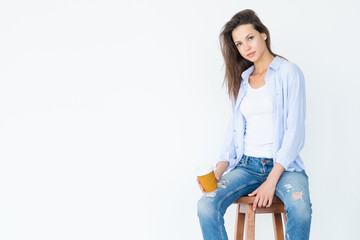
[
  {"x": 220, "y": 169},
  {"x": 265, "y": 193},
  {"x": 295, "y": 111}
]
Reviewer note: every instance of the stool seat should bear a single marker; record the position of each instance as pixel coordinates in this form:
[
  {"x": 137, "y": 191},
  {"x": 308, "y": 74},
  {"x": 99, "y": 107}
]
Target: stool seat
[
  {"x": 246, "y": 216},
  {"x": 250, "y": 200}
]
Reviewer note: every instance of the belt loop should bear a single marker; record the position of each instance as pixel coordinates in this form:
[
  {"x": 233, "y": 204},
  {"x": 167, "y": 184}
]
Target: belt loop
[{"x": 246, "y": 159}]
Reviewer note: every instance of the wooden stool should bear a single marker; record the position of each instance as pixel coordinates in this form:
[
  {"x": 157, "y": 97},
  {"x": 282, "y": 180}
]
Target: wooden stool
[{"x": 246, "y": 214}]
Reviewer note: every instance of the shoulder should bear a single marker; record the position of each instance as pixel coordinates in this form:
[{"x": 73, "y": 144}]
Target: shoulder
[
  {"x": 290, "y": 72},
  {"x": 288, "y": 67}
]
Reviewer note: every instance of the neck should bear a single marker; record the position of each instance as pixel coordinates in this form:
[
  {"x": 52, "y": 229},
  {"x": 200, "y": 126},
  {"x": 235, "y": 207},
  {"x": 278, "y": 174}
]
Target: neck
[{"x": 262, "y": 64}]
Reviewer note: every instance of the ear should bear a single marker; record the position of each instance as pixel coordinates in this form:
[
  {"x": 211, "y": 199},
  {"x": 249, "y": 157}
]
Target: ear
[{"x": 264, "y": 36}]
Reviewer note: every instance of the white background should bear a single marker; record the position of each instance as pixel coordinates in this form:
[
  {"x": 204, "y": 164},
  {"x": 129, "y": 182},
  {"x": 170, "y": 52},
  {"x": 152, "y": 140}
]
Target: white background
[{"x": 107, "y": 107}]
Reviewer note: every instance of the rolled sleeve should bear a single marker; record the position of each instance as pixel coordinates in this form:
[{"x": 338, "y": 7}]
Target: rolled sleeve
[{"x": 295, "y": 108}]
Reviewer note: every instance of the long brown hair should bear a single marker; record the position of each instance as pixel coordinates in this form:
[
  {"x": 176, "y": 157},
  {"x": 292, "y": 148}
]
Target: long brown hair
[{"x": 235, "y": 64}]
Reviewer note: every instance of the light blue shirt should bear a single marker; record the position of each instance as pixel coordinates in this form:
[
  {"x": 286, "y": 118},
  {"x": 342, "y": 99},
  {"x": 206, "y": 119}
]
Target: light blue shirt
[{"x": 286, "y": 86}]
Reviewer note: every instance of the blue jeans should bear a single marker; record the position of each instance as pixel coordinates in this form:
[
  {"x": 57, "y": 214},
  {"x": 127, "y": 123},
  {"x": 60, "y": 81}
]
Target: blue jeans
[{"x": 292, "y": 188}]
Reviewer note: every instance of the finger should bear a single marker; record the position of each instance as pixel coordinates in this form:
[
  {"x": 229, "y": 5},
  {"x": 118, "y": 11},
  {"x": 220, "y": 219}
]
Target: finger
[
  {"x": 265, "y": 202},
  {"x": 260, "y": 202},
  {"x": 201, "y": 187},
  {"x": 270, "y": 202},
  {"x": 253, "y": 193},
  {"x": 255, "y": 203},
  {"x": 198, "y": 181}
]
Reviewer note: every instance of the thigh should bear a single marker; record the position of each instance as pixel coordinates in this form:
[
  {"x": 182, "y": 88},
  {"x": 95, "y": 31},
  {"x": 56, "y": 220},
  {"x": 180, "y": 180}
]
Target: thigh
[
  {"x": 231, "y": 186},
  {"x": 293, "y": 189}
]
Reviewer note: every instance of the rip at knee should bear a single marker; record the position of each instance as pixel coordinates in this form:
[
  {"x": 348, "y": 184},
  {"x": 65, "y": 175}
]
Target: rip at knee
[
  {"x": 211, "y": 194},
  {"x": 221, "y": 183},
  {"x": 288, "y": 187},
  {"x": 297, "y": 195}
]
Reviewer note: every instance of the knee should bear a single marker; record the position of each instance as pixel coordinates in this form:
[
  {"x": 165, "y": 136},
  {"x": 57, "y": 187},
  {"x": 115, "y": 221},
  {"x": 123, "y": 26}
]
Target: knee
[
  {"x": 206, "y": 208},
  {"x": 299, "y": 212}
]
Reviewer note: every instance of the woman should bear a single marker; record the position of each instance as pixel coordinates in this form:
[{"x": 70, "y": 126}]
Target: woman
[{"x": 260, "y": 155}]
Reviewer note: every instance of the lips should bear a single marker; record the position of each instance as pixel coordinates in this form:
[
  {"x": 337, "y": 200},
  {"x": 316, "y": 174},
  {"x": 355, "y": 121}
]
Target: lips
[{"x": 251, "y": 54}]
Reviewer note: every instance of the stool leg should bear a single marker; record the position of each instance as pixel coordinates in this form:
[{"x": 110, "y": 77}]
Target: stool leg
[
  {"x": 284, "y": 218},
  {"x": 278, "y": 228},
  {"x": 239, "y": 225},
  {"x": 250, "y": 223}
]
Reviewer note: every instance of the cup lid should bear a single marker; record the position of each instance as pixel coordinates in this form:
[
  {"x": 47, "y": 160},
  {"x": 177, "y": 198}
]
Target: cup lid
[{"x": 204, "y": 169}]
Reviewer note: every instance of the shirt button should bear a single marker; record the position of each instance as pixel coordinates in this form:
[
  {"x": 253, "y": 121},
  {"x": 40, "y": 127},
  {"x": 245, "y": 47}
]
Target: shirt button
[
  {"x": 237, "y": 146},
  {"x": 234, "y": 130}
]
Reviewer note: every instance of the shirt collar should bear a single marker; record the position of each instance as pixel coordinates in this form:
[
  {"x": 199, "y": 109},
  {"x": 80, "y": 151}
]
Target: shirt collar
[{"x": 275, "y": 64}]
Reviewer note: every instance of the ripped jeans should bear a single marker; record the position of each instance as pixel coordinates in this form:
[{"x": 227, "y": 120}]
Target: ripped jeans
[{"x": 292, "y": 188}]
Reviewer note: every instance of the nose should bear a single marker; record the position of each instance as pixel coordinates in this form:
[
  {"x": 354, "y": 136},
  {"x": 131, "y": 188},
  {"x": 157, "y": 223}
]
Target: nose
[{"x": 246, "y": 47}]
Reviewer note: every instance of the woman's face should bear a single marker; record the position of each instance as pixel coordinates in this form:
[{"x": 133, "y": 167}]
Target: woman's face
[{"x": 250, "y": 43}]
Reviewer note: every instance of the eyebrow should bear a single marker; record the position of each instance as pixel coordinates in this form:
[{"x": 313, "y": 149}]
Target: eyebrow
[{"x": 245, "y": 37}]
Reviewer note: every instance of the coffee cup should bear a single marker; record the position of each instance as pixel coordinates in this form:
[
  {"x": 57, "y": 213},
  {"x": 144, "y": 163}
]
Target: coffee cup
[{"x": 206, "y": 177}]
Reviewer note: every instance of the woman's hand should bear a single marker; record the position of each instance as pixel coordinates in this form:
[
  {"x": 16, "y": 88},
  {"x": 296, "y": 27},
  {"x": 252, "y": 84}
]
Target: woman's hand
[
  {"x": 219, "y": 171},
  {"x": 201, "y": 188},
  {"x": 264, "y": 195}
]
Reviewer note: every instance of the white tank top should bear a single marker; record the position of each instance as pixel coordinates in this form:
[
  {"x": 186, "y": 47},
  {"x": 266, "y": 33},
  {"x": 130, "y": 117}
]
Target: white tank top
[{"x": 257, "y": 109}]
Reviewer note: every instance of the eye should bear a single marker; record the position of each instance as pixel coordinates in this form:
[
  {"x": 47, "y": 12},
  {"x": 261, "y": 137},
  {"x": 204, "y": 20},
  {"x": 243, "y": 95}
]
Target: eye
[{"x": 250, "y": 38}]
